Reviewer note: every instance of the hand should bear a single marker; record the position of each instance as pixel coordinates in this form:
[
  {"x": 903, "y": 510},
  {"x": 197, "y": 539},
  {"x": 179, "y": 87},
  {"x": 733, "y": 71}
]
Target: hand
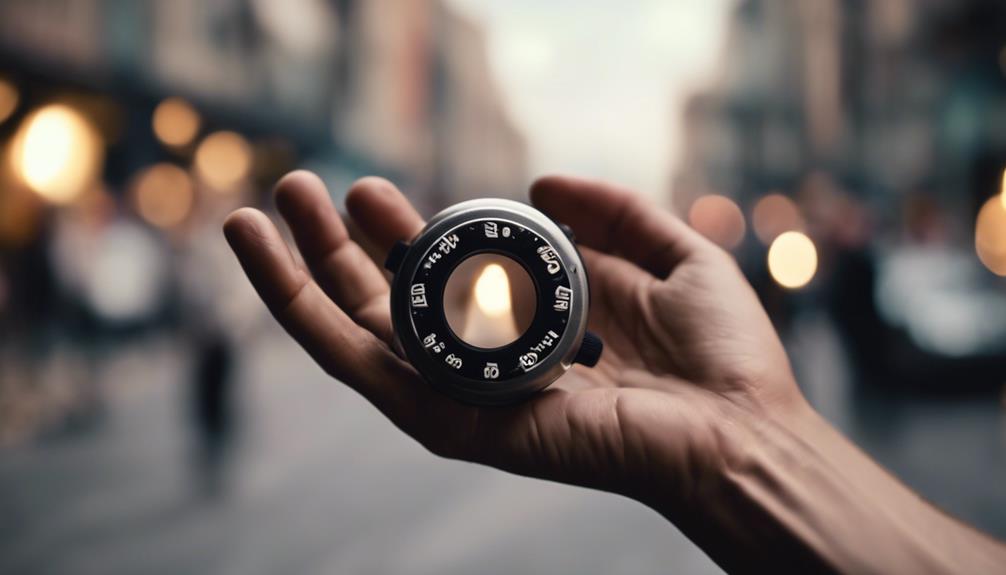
[
  {"x": 693, "y": 408},
  {"x": 689, "y": 351}
]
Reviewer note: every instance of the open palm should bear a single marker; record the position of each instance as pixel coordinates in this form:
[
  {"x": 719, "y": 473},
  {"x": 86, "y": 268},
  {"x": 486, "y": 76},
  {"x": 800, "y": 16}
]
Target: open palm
[{"x": 687, "y": 343}]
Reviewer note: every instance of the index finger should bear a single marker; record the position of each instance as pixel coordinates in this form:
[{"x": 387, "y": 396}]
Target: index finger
[{"x": 344, "y": 349}]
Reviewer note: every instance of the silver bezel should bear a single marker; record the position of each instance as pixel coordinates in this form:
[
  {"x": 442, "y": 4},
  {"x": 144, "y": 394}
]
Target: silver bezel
[{"x": 550, "y": 369}]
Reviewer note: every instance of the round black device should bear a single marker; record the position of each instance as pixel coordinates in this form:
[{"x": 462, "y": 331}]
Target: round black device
[{"x": 489, "y": 302}]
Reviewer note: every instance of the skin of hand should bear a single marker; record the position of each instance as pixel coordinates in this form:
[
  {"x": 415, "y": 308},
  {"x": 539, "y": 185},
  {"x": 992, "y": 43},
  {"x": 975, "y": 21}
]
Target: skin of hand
[{"x": 693, "y": 408}]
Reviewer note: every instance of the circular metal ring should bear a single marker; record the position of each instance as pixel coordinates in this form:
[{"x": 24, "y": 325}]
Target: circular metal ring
[{"x": 543, "y": 352}]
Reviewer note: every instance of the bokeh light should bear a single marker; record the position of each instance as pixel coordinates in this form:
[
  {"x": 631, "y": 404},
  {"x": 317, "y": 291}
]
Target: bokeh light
[
  {"x": 719, "y": 219},
  {"x": 1002, "y": 189},
  {"x": 127, "y": 278},
  {"x": 163, "y": 195},
  {"x": 773, "y": 215},
  {"x": 8, "y": 99},
  {"x": 176, "y": 122},
  {"x": 792, "y": 260},
  {"x": 223, "y": 160},
  {"x": 990, "y": 235},
  {"x": 57, "y": 153}
]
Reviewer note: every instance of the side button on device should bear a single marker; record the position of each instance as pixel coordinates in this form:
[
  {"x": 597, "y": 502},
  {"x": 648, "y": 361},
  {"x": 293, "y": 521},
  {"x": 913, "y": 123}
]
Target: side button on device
[
  {"x": 568, "y": 231},
  {"x": 590, "y": 350},
  {"x": 395, "y": 256}
]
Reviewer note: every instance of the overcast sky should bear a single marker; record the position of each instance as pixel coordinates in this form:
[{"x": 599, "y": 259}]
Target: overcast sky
[{"x": 597, "y": 85}]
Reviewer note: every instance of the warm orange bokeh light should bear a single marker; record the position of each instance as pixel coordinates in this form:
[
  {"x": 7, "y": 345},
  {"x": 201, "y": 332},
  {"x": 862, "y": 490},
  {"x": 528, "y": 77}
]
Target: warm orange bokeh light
[
  {"x": 163, "y": 195},
  {"x": 176, "y": 122},
  {"x": 990, "y": 235},
  {"x": 57, "y": 153},
  {"x": 773, "y": 215},
  {"x": 1002, "y": 189},
  {"x": 223, "y": 160},
  {"x": 719, "y": 219},
  {"x": 9, "y": 99}
]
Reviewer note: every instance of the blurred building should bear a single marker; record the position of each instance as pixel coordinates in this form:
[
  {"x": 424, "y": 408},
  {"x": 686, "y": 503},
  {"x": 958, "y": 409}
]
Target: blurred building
[
  {"x": 399, "y": 88},
  {"x": 876, "y": 128},
  {"x": 420, "y": 98},
  {"x": 890, "y": 97},
  {"x": 134, "y": 126}
]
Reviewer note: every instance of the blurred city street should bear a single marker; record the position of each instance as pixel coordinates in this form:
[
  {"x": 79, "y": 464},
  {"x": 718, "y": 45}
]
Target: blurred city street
[
  {"x": 321, "y": 483},
  {"x": 850, "y": 156}
]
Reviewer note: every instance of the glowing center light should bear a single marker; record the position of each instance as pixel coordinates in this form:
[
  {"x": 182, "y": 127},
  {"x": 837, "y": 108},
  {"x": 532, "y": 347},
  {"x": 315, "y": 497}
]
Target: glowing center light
[
  {"x": 490, "y": 321},
  {"x": 492, "y": 291},
  {"x": 223, "y": 160},
  {"x": 990, "y": 236},
  {"x": 57, "y": 153},
  {"x": 175, "y": 122},
  {"x": 163, "y": 195},
  {"x": 489, "y": 300},
  {"x": 8, "y": 99},
  {"x": 792, "y": 260},
  {"x": 719, "y": 219}
]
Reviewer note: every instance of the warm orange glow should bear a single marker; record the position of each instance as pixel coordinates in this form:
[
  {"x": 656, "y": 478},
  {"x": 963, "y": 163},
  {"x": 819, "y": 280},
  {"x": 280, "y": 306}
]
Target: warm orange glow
[
  {"x": 719, "y": 219},
  {"x": 57, "y": 153},
  {"x": 773, "y": 215},
  {"x": 176, "y": 122},
  {"x": 223, "y": 160},
  {"x": 163, "y": 195},
  {"x": 490, "y": 322},
  {"x": 1002, "y": 189},
  {"x": 492, "y": 291},
  {"x": 990, "y": 235},
  {"x": 792, "y": 260},
  {"x": 8, "y": 99}
]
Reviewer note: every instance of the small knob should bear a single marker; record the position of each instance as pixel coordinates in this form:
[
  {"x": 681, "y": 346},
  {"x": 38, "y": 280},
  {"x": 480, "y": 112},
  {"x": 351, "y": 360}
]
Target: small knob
[
  {"x": 395, "y": 256},
  {"x": 568, "y": 231},
  {"x": 590, "y": 350}
]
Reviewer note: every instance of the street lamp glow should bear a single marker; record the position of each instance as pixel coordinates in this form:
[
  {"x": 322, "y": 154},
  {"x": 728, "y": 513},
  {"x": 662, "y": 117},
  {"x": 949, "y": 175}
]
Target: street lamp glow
[
  {"x": 163, "y": 195},
  {"x": 175, "y": 122},
  {"x": 990, "y": 235},
  {"x": 223, "y": 160},
  {"x": 792, "y": 260},
  {"x": 1002, "y": 189},
  {"x": 719, "y": 219},
  {"x": 57, "y": 153},
  {"x": 8, "y": 99}
]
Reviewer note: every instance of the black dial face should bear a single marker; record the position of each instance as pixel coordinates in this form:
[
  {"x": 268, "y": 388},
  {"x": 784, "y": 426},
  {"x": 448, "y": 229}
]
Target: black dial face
[{"x": 553, "y": 292}]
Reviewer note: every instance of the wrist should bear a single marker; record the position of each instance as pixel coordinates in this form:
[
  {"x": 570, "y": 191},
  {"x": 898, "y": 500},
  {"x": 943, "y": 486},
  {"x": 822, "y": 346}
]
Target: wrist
[
  {"x": 789, "y": 493},
  {"x": 723, "y": 439},
  {"x": 743, "y": 506}
]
